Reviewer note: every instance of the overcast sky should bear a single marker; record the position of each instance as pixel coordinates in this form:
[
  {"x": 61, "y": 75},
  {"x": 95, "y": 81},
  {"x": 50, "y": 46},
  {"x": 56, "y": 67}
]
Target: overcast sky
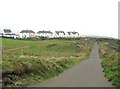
[{"x": 88, "y": 17}]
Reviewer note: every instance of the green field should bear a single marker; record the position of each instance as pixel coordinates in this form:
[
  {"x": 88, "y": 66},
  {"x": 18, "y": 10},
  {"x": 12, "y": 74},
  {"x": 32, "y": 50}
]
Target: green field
[
  {"x": 110, "y": 52},
  {"x": 42, "y": 59}
]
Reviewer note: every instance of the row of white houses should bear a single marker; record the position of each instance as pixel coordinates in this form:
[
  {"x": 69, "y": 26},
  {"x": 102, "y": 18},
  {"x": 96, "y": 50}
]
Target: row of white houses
[{"x": 31, "y": 34}]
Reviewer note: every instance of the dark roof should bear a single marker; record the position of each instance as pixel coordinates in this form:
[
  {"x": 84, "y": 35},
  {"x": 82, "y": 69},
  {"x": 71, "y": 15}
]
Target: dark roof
[
  {"x": 7, "y": 30},
  {"x": 69, "y": 33},
  {"x": 27, "y": 31},
  {"x": 45, "y": 32},
  {"x": 73, "y": 33},
  {"x": 57, "y": 32}
]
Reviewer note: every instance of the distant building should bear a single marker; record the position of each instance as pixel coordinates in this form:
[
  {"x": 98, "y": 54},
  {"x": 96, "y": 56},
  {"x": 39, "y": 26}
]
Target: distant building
[
  {"x": 59, "y": 34},
  {"x": 8, "y": 33},
  {"x": 73, "y": 34},
  {"x": 44, "y": 34},
  {"x": 27, "y": 34}
]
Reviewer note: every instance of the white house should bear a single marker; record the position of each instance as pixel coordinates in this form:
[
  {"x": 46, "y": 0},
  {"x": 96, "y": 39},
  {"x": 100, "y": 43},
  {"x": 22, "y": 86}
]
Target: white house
[
  {"x": 73, "y": 34},
  {"x": 60, "y": 34},
  {"x": 8, "y": 33},
  {"x": 27, "y": 34},
  {"x": 43, "y": 33}
]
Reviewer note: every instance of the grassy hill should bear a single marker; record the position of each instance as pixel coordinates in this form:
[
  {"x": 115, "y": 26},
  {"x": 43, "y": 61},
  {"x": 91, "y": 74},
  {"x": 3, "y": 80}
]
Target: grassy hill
[{"x": 42, "y": 59}]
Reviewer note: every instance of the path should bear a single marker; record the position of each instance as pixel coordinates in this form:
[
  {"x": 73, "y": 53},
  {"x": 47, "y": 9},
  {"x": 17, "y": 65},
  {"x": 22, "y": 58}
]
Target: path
[
  {"x": 8, "y": 50},
  {"x": 86, "y": 74}
]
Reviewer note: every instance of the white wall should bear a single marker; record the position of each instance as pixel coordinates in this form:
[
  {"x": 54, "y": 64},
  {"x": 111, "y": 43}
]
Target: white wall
[{"x": 26, "y": 35}]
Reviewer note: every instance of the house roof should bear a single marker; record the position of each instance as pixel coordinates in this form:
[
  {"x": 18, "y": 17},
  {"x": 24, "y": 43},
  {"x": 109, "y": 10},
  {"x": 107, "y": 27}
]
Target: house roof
[
  {"x": 72, "y": 33},
  {"x": 69, "y": 33},
  {"x": 7, "y": 30},
  {"x": 57, "y": 32},
  {"x": 27, "y": 31},
  {"x": 44, "y": 32}
]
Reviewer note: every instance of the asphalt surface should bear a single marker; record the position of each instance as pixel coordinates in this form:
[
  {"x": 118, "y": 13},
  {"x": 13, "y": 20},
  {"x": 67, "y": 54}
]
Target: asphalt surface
[{"x": 86, "y": 74}]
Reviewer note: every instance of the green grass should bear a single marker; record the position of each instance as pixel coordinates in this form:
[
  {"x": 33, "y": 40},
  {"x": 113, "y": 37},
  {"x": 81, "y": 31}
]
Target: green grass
[
  {"x": 42, "y": 60},
  {"x": 109, "y": 52}
]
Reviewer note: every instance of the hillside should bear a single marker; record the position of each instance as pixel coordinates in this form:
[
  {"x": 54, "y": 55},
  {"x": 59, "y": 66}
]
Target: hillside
[{"x": 42, "y": 59}]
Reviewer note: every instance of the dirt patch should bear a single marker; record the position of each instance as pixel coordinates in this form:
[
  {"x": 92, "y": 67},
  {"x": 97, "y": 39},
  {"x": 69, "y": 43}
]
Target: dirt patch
[{"x": 8, "y": 50}]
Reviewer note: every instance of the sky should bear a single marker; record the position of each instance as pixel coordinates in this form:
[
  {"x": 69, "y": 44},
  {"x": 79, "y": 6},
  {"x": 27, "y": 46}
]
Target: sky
[{"x": 88, "y": 17}]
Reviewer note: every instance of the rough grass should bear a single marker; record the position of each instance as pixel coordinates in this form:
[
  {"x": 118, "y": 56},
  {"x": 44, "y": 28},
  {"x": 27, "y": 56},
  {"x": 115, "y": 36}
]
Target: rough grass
[
  {"x": 109, "y": 52},
  {"x": 42, "y": 60},
  {"x": 0, "y": 62}
]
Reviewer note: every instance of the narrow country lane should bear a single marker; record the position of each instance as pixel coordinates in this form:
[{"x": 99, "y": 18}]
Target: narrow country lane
[{"x": 86, "y": 74}]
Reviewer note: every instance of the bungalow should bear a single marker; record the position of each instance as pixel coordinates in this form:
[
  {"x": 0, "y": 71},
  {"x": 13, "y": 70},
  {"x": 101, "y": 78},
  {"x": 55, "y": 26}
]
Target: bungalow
[
  {"x": 8, "y": 33},
  {"x": 27, "y": 34},
  {"x": 44, "y": 34},
  {"x": 60, "y": 34},
  {"x": 73, "y": 34}
]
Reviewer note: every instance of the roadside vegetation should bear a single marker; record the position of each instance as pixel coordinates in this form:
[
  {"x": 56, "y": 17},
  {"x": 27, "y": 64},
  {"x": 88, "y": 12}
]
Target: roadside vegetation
[
  {"x": 110, "y": 55},
  {"x": 42, "y": 59},
  {"x": 0, "y": 63}
]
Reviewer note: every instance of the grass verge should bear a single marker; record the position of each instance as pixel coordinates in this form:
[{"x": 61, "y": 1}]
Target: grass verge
[{"x": 109, "y": 53}]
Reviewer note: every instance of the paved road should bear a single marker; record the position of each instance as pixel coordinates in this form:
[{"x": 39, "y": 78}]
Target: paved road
[{"x": 86, "y": 74}]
